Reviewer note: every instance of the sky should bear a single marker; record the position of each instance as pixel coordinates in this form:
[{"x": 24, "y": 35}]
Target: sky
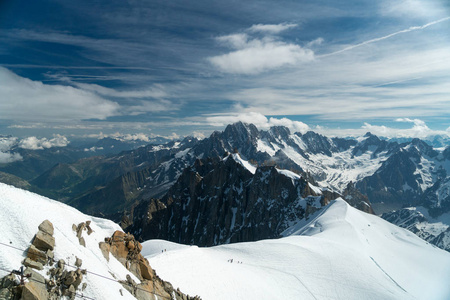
[{"x": 76, "y": 69}]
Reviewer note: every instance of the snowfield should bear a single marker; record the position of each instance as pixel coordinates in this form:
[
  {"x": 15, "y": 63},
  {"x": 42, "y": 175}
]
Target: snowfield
[
  {"x": 21, "y": 212},
  {"x": 341, "y": 254}
]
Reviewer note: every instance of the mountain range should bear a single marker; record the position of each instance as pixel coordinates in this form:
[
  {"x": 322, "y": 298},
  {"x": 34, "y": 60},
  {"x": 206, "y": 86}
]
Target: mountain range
[
  {"x": 386, "y": 175},
  {"x": 339, "y": 253}
]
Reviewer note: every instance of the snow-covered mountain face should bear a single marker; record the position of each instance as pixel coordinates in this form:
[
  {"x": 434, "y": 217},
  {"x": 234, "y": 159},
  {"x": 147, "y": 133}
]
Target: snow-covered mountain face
[
  {"x": 219, "y": 201},
  {"x": 431, "y": 221},
  {"x": 392, "y": 175},
  {"x": 389, "y": 173},
  {"x": 342, "y": 253},
  {"x": 369, "y": 162},
  {"x": 339, "y": 253},
  {"x": 417, "y": 219},
  {"x": 100, "y": 273}
]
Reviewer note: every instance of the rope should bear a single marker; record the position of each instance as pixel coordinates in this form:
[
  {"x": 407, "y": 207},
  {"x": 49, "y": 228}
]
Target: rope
[
  {"x": 35, "y": 280},
  {"x": 95, "y": 274}
]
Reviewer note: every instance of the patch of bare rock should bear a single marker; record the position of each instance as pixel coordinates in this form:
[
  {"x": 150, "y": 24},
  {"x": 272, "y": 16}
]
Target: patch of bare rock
[{"x": 127, "y": 251}]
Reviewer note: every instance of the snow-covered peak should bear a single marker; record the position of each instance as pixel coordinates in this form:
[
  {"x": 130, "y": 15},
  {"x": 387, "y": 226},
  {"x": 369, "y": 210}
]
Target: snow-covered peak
[
  {"x": 21, "y": 212},
  {"x": 289, "y": 174},
  {"x": 237, "y": 158},
  {"x": 341, "y": 254}
]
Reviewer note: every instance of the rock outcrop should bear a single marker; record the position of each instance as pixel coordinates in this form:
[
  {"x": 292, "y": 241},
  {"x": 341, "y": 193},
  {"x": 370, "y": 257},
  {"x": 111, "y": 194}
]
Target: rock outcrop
[
  {"x": 127, "y": 250},
  {"x": 34, "y": 286},
  {"x": 40, "y": 251},
  {"x": 83, "y": 226},
  {"x": 220, "y": 201}
]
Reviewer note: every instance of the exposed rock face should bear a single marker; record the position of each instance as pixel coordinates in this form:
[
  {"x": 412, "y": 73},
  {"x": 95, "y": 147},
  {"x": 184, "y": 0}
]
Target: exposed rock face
[
  {"x": 79, "y": 229},
  {"x": 405, "y": 176},
  {"x": 220, "y": 201},
  {"x": 61, "y": 282},
  {"x": 437, "y": 197},
  {"x": 8, "y": 288},
  {"x": 356, "y": 199},
  {"x": 40, "y": 252},
  {"x": 44, "y": 241},
  {"x": 127, "y": 250},
  {"x": 33, "y": 291}
]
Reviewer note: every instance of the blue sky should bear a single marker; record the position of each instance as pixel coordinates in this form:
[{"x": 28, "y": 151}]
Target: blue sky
[{"x": 173, "y": 68}]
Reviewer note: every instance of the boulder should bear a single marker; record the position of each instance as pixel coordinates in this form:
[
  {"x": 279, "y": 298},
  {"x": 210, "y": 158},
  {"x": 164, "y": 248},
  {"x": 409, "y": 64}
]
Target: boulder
[
  {"x": 118, "y": 236},
  {"x": 8, "y": 281},
  {"x": 33, "y": 264},
  {"x": 70, "y": 278},
  {"x": 80, "y": 228},
  {"x": 34, "y": 291},
  {"x": 146, "y": 270},
  {"x": 34, "y": 275},
  {"x": 37, "y": 255},
  {"x": 44, "y": 241},
  {"x": 120, "y": 251},
  {"x": 78, "y": 281},
  {"x": 47, "y": 227},
  {"x": 70, "y": 292},
  {"x": 78, "y": 262},
  {"x": 6, "y": 294},
  {"x": 105, "y": 247},
  {"x": 135, "y": 269},
  {"x": 145, "y": 291},
  {"x": 61, "y": 263},
  {"x": 50, "y": 254},
  {"x": 82, "y": 241}
]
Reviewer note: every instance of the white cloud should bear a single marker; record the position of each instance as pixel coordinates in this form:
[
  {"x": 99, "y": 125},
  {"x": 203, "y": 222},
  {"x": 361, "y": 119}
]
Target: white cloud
[
  {"x": 236, "y": 41},
  {"x": 294, "y": 126},
  {"x": 7, "y": 157},
  {"x": 315, "y": 42},
  {"x": 25, "y": 99},
  {"x": 34, "y": 143},
  {"x": 198, "y": 135},
  {"x": 271, "y": 28},
  {"x": 411, "y": 8},
  {"x": 6, "y": 143},
  {"x": 259, "y": 120},
  {"x": 418, "y": 130},
  {"x": 256, "y": 55},
  {"x": 261, "y": 55},
  {"x": 130, "y": 137},
  {"x": 121, "y": 136},
  {"x": 92, "y": 149}
]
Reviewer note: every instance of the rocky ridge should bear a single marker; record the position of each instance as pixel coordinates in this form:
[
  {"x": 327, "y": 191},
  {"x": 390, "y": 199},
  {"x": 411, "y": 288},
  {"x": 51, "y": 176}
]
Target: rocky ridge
[
  {"x": 63, "y": 281},
  {"x": 226, "y": 200}
]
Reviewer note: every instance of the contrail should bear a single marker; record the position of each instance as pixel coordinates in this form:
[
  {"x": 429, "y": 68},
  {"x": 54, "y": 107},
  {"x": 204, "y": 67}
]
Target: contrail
[{"x": 413, "y": 28}]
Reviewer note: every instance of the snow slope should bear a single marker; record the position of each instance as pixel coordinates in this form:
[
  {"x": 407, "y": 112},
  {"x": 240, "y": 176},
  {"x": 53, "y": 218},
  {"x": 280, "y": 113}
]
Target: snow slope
[
  {"x": 341, "y": 254},
  {"x": 21, "y": 212}
]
